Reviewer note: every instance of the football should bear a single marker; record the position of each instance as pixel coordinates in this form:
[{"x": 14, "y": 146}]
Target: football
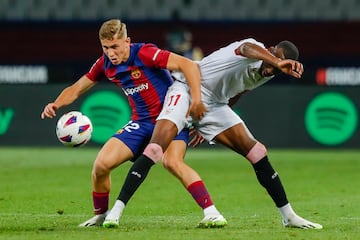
[{"x": 74, "y": 129}]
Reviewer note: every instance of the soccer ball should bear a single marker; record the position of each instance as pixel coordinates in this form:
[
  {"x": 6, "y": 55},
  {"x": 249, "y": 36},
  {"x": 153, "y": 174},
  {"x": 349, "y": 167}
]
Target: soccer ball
[{"x": 74, "y": 129}]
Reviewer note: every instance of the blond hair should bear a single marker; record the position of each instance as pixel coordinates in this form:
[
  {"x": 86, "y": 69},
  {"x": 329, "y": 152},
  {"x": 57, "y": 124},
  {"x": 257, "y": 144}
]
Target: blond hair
[{"x": 111, "y": 29}]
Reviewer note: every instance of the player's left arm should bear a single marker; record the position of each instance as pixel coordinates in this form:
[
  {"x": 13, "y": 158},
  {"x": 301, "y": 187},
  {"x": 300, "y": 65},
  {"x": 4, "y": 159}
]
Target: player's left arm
[
  {"x": 155, "y": 57},
  {"x": 195, "y": 138}
]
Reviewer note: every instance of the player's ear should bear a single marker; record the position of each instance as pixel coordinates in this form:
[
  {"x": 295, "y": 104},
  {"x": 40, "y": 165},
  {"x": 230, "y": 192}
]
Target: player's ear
[{"x": 271, "y": 49}]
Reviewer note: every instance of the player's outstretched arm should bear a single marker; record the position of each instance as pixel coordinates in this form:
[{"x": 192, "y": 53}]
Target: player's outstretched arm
[{"x": 67, "y": 96}]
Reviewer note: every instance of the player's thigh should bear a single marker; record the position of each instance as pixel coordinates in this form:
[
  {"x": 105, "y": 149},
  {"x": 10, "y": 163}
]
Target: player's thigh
[
  {"x": 238, "y": 138},
  {"x": 113, "y": 153}
]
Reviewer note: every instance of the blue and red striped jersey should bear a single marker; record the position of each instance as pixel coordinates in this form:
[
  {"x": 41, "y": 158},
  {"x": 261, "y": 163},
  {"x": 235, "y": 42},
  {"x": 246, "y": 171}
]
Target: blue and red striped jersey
[{"x": 143, "y": 78}]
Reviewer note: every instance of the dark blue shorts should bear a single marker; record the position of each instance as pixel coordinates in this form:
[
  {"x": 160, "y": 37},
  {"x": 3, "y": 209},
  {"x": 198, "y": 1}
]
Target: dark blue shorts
[{"x": 136, "y": 135}]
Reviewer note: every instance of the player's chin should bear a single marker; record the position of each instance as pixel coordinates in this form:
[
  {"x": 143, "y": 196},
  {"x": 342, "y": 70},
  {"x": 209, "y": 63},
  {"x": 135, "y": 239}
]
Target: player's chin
[{"x": 115, "y": 61}]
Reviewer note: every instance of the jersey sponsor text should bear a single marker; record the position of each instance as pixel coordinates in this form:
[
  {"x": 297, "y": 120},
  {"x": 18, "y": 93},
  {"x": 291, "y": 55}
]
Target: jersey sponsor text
[{"x": 132, "y": 91}]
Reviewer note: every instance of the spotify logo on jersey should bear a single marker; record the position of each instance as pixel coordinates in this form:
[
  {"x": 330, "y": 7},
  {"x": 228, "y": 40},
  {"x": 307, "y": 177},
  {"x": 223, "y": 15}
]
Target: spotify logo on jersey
[
  {"x": 331, "y": 118},
  {"x": 108, "y": 112}
]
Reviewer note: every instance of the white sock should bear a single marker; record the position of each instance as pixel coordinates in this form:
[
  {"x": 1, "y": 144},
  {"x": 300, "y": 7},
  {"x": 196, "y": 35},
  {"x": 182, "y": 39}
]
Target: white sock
[
  {"x": 119, "y": 205},
  {"x": 287, "y": 212},
  {"x": 116, "y": 211},
  {"x": 211, "y": 211}
]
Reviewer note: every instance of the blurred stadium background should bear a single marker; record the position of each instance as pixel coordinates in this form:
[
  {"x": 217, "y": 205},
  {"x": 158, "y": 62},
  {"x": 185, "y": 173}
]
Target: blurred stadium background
[{"x": 47, "y": 44}]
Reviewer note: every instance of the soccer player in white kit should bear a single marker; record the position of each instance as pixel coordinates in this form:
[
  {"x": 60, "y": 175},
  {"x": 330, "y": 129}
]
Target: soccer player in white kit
[{"x": 226, "y": 74}]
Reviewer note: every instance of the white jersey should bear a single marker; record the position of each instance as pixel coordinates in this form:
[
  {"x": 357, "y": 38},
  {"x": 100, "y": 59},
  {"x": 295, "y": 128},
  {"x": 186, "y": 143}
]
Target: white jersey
[{"x": 224, "y": 74}]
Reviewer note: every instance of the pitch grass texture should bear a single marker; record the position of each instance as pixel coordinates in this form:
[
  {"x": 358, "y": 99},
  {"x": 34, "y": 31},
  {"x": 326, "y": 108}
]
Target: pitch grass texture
[{"x": 45, "y": 193}]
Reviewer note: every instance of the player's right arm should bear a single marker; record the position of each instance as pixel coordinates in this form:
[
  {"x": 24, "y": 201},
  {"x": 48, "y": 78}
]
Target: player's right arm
[
  {"x": 71, "y": 93},
  {"x": 67, "y": 96},
  {"x": 288, "y": 66},
  {"x": 254, "y": 51}
]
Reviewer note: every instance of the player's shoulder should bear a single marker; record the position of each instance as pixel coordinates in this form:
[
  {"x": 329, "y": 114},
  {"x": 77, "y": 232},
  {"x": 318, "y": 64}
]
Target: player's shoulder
[
  {"x": 251, "y": 40},
  {"x": 234, "y": 45},
  {"x": 145, "y": 46}
]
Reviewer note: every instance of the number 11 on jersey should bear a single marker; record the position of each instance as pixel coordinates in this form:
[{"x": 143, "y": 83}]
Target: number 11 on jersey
[{"x": 174, "y": 99}]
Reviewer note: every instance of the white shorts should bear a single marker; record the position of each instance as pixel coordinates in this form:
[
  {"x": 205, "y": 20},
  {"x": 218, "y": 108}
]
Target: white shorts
[
  {"x": 218, "y": 118},
  {"x": 176, "y": 105}
]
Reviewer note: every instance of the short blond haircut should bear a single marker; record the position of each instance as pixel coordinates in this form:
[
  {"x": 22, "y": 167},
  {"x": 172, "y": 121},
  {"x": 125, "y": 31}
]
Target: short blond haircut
[{"x": 111, "y": 29}]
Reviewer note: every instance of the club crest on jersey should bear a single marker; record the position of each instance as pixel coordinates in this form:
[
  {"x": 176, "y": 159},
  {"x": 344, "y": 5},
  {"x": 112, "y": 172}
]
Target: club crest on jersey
[{"x": 136, "y": 73}]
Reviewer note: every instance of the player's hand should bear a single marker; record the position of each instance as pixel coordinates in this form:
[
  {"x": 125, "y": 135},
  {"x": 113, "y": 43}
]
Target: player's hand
[
  {"x": 196, "y": 138},
  {"x": 49, "y": 111},
  {"x": 291, "y": 67},
  {"x": 196, "y": 110}
]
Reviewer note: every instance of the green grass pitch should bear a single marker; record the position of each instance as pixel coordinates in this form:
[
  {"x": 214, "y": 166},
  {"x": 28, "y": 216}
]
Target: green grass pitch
[{"x": 45, "y": 193}]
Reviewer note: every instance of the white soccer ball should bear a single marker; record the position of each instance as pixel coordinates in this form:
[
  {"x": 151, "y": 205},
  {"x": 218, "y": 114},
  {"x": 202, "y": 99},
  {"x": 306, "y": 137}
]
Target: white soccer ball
[{"x": 74, "y": 129}]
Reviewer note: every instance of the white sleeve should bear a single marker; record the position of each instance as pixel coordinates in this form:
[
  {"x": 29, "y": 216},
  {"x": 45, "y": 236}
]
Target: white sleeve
[{"x": 252, "y": 40}]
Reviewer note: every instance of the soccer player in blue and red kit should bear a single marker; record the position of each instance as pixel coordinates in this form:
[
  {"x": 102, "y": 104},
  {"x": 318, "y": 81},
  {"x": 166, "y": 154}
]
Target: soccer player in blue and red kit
[{"x": 142, "y": 72}]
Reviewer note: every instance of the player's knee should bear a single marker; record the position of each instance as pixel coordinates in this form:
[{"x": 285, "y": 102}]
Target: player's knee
[
  {"x": 100, "y": 169},
  {"x": 171, "y": 163},
  {"x": 166, "y": 164},
  {"x": 256, "y": 153},
  {"x": 154, "y": 152}
]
